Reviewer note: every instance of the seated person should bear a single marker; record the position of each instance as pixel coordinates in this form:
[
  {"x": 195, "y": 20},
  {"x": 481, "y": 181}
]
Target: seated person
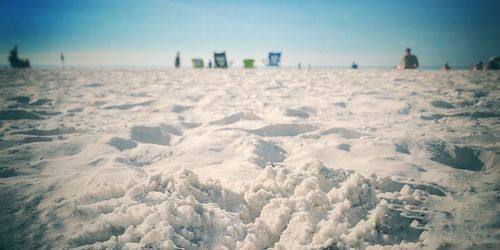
[
  {"x": 446, "y": 67},
  {"x": 408, "y": 61},
  {"x": 16, "y": 62}
]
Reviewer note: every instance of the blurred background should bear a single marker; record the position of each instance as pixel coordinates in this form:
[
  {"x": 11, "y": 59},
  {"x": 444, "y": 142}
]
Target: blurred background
[{"x": 320, "y": 33}]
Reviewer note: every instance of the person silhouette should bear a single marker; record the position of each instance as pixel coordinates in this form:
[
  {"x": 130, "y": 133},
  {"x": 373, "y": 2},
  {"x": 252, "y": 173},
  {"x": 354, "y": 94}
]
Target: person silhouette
[
  {"x": 446, "y": 67},
  {"x": 354, "y": 65},
  {"x": 209, "y": 64},
  {"x": 62, "y": 60},
  {"x": 408, "y": 61},
  {"x": 177, "y": 60}
]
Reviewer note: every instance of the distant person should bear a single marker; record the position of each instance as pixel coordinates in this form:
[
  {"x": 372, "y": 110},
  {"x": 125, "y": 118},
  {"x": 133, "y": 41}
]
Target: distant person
[
  {"x": 478, "y": 66},
  {"x": 446, "y": 67},
  {"x": 62, "y": 60},
  {"x": 299, "y": 65},
  {"x": 209, "y": 64},
  {"x": 16, "y": 62},
  {"x": 354, "y": 65},
  {"x": 493, "y": 63},
  {"x": 408, "y": 61},
  {"x": 177, "y": 60}
]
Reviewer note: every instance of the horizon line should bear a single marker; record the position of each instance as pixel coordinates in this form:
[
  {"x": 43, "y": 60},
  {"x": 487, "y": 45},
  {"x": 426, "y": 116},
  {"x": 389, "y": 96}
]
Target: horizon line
[{"x": 459, "y": 67}]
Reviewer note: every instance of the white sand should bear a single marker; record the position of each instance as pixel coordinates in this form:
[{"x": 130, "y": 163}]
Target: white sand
[{"x": 224, "y": 159}]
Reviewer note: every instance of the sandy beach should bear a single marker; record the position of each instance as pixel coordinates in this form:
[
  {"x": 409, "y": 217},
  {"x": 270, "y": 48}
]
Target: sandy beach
[{"x": 249, "y": 159}]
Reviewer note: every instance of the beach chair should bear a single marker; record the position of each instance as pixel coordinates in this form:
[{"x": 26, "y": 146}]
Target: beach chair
[
  {"x": 220, "y": 60},
  {"x": 248, "y": 63},
  {"x": 198, "y": 63},
  {"x": 274, "y": 59}
]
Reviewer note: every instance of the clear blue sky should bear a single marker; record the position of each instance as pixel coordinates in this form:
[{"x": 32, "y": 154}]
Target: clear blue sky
[{"x": 328, "y": 33}]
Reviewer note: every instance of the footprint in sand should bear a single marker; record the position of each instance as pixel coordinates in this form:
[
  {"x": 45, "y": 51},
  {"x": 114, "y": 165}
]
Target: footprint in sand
[
  {"x": 265, "y": 152},
  {"x": 20, "y": 99},
  {"x": 179, "y": 108},
  {"x": 248, "y": 116},
  {"x": 344, "y": 147},
  {"x": 49, "y": 132},
  {"x": 460, "y": 157},
  {"x": 122, "y": 144},
  {"x": 151, "y": 135},
  {"x": 442, "y": 105},
  {"x": 40, "y": 102},
  {"x": 19, "y": 114},
  {"x": 283, "y": 130},
  {"x": 344, "y": 133},
  {"x": 302, "y": 112}
]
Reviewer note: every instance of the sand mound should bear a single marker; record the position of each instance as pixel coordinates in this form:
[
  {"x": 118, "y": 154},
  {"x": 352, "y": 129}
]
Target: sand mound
[{"x": 311, "y": 206}]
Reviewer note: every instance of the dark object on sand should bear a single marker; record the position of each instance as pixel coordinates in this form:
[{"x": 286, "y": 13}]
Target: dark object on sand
[
  {"x": 16, "y": 62},
  {"x": 354, "y": 65},
  {"x": 493, "y": 63}
]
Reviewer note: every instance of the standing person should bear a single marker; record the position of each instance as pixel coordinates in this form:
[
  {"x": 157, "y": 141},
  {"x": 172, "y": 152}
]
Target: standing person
[
  {"x": 408, "y": 61},
  {"x": 209, "y": 64},
  {"x": 62, "y": 60},
  {"x": 177, "y": 60}
]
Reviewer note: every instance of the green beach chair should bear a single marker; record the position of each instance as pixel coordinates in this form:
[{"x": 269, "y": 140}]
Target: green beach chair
[{"x": 248, "y": 63}]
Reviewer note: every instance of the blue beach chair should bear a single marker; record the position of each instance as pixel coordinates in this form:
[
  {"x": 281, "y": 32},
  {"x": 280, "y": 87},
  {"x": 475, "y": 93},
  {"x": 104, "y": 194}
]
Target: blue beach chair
[{"x": 274, "y": 59}]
